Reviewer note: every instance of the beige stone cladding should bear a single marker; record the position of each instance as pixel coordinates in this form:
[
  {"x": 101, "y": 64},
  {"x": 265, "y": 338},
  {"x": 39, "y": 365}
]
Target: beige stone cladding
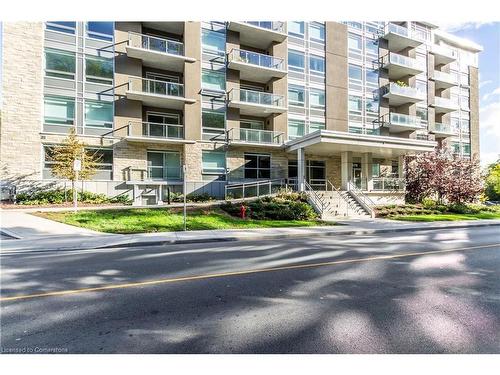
[
  {"x": 236, "y": 161},
  {"x": 194, "y": 153},
  {"x": 22, "y": 93},
  {"x": 474, "y": 111}
]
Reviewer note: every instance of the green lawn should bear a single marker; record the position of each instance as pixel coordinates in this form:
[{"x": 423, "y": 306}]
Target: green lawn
[
  {"x": 165, "y": 220},
  {"x": 447, "y": 217}
]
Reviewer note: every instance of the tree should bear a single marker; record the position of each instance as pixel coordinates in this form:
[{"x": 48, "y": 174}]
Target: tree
[
  {"x": 440, "y": 175},
  {"x": 492, "y": 181},
  {"x": 64, "y": 156}
]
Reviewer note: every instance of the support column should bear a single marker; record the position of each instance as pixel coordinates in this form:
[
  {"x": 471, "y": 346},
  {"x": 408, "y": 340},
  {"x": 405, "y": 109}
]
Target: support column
[
  {"x": 301, "y": 168},
  {"x": 345, "y": 168},
  {"x": 401, "y": 166},
  {"x": 366, "y": 169}
]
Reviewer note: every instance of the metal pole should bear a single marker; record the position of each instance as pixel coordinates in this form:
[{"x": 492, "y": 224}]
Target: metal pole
[
  {"x": 75, "y": 193},
  {"x": 185, "y": 192}
]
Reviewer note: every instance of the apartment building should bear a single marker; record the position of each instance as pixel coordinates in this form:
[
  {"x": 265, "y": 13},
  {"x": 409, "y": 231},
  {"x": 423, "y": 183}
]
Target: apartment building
[{"x": 318, "y": 104}]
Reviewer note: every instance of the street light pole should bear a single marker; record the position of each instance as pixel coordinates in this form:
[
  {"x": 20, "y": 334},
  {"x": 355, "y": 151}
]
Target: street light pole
[
  {"x": 184, "y": 188},
  {"x": 77, "y": 167}
]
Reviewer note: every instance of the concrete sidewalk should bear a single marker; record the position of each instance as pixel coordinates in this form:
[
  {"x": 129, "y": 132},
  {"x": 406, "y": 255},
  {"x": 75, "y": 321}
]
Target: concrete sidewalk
[{"x": 42, "y": 234}]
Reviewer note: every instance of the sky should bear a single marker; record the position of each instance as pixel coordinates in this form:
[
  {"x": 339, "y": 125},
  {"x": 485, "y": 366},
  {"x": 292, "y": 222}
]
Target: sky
[{"x": 487, "y": 34}]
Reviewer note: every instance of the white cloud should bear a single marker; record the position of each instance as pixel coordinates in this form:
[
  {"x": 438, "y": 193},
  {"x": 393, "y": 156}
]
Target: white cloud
[
  {"x": 484, "y": 83},
  {"x": 491, "y": 94},
  {"x": 457, "y": 26}
]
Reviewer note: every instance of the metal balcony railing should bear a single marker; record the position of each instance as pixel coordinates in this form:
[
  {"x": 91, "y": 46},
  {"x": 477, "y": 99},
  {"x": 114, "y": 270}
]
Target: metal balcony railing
[
  {"x": 254, "y": 189},
  {"x": 255, "y": 136},
  {"x": 256, "y": 97},
  {"x": 155, "y": 130},
  {"x": 257, "y": 59},
  {"x": 395, "y": 58},
  {"x": 157, "y": 87},
  {"x": 404, "y": 120},
  {"x": 156, "y": 44}
]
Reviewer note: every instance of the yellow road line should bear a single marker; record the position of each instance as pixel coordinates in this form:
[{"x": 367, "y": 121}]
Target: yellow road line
[{"x": 237, "y": 273}]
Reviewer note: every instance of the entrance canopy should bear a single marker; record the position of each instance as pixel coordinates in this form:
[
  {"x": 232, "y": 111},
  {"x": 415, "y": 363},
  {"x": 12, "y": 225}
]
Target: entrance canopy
[{"x": 328, "y": 142}]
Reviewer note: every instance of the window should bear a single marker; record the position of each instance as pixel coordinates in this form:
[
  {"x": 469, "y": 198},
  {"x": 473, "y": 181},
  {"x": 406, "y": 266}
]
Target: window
[
  {"x": 371, "y": 105},
  {"x": 465, "y": 126},
  {"x": 98, "y": 114},
  {"x": 59, "y": 110},
  {"x": 213, "y": 120},
  {"x": 100, "y": 30},
  {"x": 355, "y": 103},
  {"x": 354, "y": 42},
  {"x": 296, "y": 95},
  {"x": 376, "y": 170},
  {"x": 257, "y": 166},
  {"x": 99, "y": 70},
  {"x": 355, "y": 25},
  {"x": 59, "y": 64},
  {"x": 455, "y": 147},
  {"x": 296, "y": 29},
  {"x": 213, "y": 80},
  {"x": 252, "y": 124},
  {"x": 164, "y": 165},
  {"x": 317, "y": 65},
  {"x": 466, "y": 149},
  {"x": 372, "y": 78},
  {"x": 464, "y": 79},
  {"x": 455, "y": 125},
  {"x": 371, "y": 46},
  {"x": 314, "y": 126},
  {"x": 421, "y": 86},
  {"x": 62, "y": 27},
  {"x": 355, "y": 77},
  {"x": 296, "y": 61},
  {"x": 317, "y": 98},
  {"x": 317, "y": 32},
  {"x": 213, "y": 162},
  {"x": 213, "y": 42},
  {"x": 423, "y": 114},
  {"x": 296, "y": 128}
]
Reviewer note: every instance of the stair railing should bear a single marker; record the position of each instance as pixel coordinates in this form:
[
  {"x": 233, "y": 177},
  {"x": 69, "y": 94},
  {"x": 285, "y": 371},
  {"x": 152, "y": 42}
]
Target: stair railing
[
  {"x": 361, "y": 198},
  {"x": 315, "y": 199},
  {"x": 342, "y": 198}
]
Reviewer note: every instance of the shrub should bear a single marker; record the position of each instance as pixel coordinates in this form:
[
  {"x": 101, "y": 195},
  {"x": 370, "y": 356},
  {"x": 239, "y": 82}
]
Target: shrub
[
  {"x": 59, "y": 196},
  {"x": 193, "y": 197}
]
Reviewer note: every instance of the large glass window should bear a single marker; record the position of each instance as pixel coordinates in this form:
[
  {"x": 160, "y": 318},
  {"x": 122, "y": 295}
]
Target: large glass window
[
  {"x": 317, "y": 98},
  {"x": 355, "y": 77},
  {"x": 100, "y": 30},
  {"x": 99, "y": 70},
  {"x": 317, "y": 32},
  {"x": 296, "y": 29},
  {"x": 98, "y": 114},
  {"x": 164, "y": 165},
  {"x": 213, "y": 80},
  {"x": 422, "y": 113},
  {"x": 213, "y": 162},
  {"x": 296, "y": 128},
  {"x": 213, "y": 41},
  {"x": 355, "y": 103},
  {"x": 211, "y": 119},
  {"x": 59, "y": 110},
  {"x": 354, "y": 42},
  {"x": 372, "y": 77},
  {"x": 371, "y": 105},
  {"x": 59, "y": 63},
  {"x": 317, "y": 65},
  {"x": 314, "y": 125},
  {"x": 371, "y": 46},
  {"x": 257, "y": 165},
  {"x": 296, "y": 95},
  {"x": 62, "y": 27},
  {"x": 296, "y": 61}
]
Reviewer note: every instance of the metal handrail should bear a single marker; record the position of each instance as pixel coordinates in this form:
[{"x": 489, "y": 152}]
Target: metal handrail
[
  {"x": 255, "y": 58},
  {"x": 154, "y": 43},
  {"x": 257, "y": 97},
  {"x": 339, "y": 193},
  {"x": 361, "y": 197},
  {"x": 320, "y": 204},
  {"x": 256, "y": 136},
  {"x": 155, "y": 86},
  {"x": 146, "y": 129},
  {"x": 242, "y": 185}
]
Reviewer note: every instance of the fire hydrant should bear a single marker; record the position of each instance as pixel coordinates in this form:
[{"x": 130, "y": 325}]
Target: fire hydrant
[{"x": 243, "y": 211}]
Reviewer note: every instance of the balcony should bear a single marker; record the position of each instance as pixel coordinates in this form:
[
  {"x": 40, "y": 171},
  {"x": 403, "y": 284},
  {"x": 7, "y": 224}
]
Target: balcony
[
  {"x": 152, "y": 132},
  {"x": 260, "y": 34},
  {"x": 398, "y": 95},
  {"x": 398, "y": 122},
  {"x": 256, "y": 103},
  {"x": 256, "y": 67},
  {"x": 157, "y": 93},
  {"x": 443, "y": 80},
  {"x": 400, "y": 37},
  {"x": 444, "y": 105},
  {"x": 443, "y": 55},
  {"x": 441, "y": 130},
  {"x": 157, "y": 52},
  {"x": 255, "y": 137},
  {"x": 400, "y": 66}
]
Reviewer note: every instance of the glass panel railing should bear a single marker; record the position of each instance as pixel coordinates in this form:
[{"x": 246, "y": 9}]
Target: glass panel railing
[
  {"x": 396, "y": 89},
  {"x": 441, "y": 128},
  {"x": 270, "y": 25},
  {"x": 257, "y": 136},
  {"x": 395, "y": 58},
  {"x": 254, "y": 58},
  {"x": 165, "y": 172},
  {"x": 444, "y": 51},
  {"x": 397, "y": 29},
  {"x": 155, "y": 130},
  {"x": 445, "y": 77},
  {"x": 156, "y": 44},
  {"x": 256, "y": 97},
  {"x": 388, "y": 184},
  {"x": 153, "y": 86},
  {"x": 405, "y": 120},
  {"x": 445, "y": 103}
]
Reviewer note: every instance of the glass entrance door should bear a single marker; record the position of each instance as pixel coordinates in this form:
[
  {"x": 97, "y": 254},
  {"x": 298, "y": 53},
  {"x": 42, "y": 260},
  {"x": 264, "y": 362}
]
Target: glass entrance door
[{"x": 356, "y": 175}]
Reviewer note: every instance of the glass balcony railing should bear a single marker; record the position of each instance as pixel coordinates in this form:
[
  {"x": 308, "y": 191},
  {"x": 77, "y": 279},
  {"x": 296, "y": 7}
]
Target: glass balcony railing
[
  {"x": 445, "y": 103},
  {"x": 444, "y": 51},
  {"x": 153, "y": 86},
  {"x": 395, "y": 58},
  {"x": 404, "y": 120},
  {"x": 257, "y": 59},
  {"x": 270, "y": 25},
  {"x": 153, "y": 43},
  {"x": 256, "y": 136},
  {"x": 404, "y": 31},
  {"x": 388, "y": 184},
  {"x": 256, "y": 97},
  {"x": 155, "y": 130},
  {"x": 445, "y": 77},
  {"x": 395, "y": 89},
  {"x": 441, "y": 128}
]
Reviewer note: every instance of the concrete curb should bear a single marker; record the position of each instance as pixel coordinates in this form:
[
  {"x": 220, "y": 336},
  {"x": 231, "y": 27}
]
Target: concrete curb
[{"x": 145, "y": 242}]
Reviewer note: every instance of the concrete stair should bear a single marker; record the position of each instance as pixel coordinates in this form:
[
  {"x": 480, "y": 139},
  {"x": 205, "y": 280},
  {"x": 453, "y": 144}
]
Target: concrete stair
[{"x": 341, "y": 204}]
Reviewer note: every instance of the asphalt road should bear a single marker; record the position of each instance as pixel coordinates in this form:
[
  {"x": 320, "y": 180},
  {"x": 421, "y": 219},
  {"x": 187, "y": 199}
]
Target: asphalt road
[{"x": 423, "y": 292}]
